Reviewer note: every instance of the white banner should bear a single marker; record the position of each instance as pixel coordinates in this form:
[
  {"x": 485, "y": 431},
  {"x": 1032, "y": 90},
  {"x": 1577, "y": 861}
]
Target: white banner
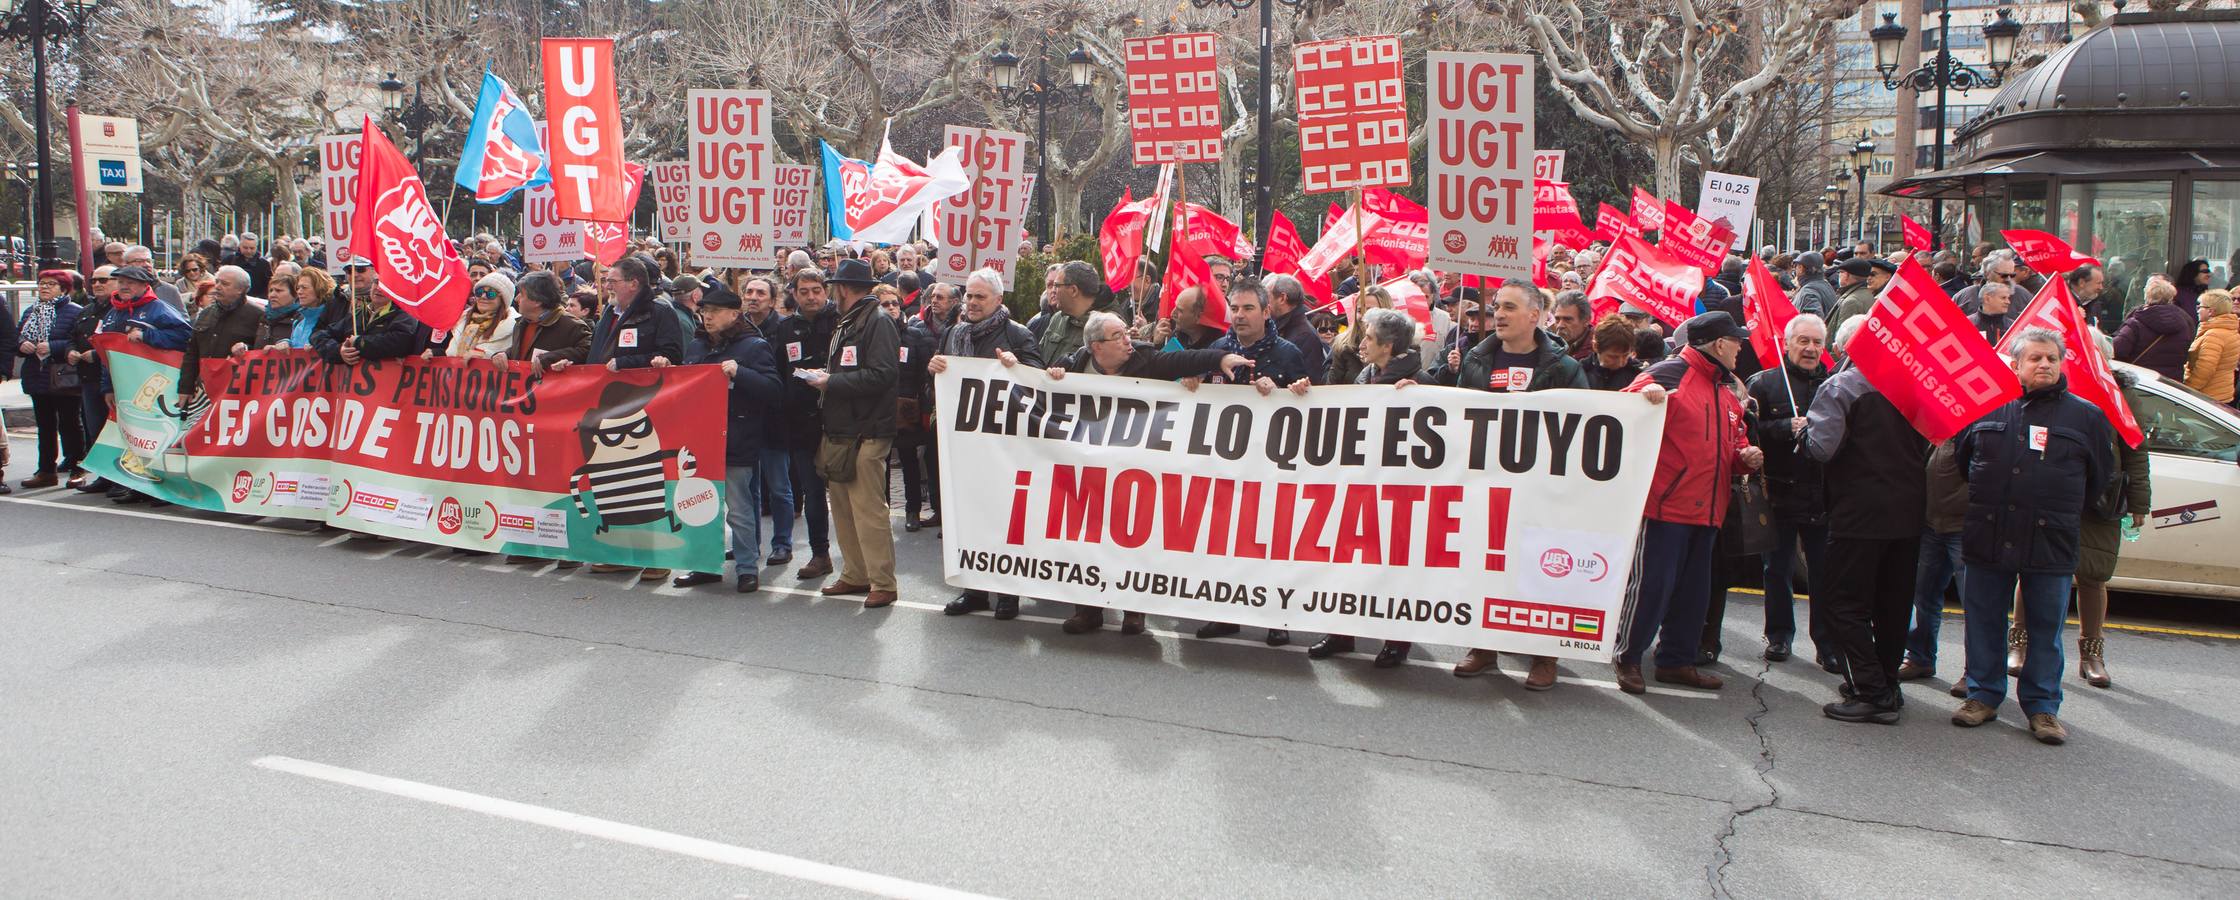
[
  {"x": 672, "y": 200},
  {"x": 545, "y": 237},
  {"x": 111, "y": 145},
  {"x": 1547, "y": 165},
  {"x": 793, "y": 196},
  {"x": 1465, "y": 518},
  {"x": 338, "y": 190},
  {"x": 729, "y": 149},
  {"x": 978, "y": 227},
  {"x": 1732, "y": 199},
  {"x": 1482, "y": 161}
]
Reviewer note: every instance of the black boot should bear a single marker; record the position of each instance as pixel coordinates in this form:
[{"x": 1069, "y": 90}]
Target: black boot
[
  {"x": 1877, "y": 710},
  {"x": 1330, "y": 646},
  {"x": 1007, "y": 606}
]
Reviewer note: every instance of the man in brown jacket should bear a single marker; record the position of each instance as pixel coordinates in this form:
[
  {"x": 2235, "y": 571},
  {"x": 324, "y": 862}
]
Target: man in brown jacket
[
  {"x": 547, "y": 335},
  {"x": 228, "y": 326}
]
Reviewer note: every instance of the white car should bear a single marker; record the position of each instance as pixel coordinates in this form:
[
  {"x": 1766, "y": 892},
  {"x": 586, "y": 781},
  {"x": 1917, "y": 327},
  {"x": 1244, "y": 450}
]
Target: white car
[{"x": 2188, "y": 546}]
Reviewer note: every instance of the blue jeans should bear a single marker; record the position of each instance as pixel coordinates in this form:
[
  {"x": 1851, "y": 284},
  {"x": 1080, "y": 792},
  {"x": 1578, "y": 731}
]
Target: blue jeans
[
  {"x": 1781, "y": 566},
  {"x": 743, "y": 512},
  {"x": 1986, "y": 594},
  {"x": 808, "y": 494},
  {"x": 775, "y": 462},
  {"x": 1674, "y": 591},
  {"x": 1940, "y": 564}
]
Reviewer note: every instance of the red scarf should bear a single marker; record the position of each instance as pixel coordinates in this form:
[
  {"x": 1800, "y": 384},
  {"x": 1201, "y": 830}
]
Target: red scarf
[{"x": 133, "y": 304}]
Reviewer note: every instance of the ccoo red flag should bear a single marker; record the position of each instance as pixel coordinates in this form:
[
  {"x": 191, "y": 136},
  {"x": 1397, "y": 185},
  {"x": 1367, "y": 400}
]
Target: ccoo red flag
[
  {"x": 1646, "y": 277},
  {"x": 610, "y": 240},
  {"x": 2089, "y": 376},
  {"x": 2043, "y": 253},
  {"x": 1648, "y": 211},
  {"x": 1921, "y": 352},
  {"x": 1553, "y": 208},
  {"x": 1917, "y": 234},
  {"x": 1285, "y": 249},
  {"x": 1768, "y": 308},
  {"x": 1187, "y": 268},
  {"x": 394, "y": 225},
  {"x": 1120, "y": 240}
]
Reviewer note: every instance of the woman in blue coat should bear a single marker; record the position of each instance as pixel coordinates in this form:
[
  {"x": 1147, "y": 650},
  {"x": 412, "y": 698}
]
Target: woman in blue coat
[{"x": 43, "y": 349}]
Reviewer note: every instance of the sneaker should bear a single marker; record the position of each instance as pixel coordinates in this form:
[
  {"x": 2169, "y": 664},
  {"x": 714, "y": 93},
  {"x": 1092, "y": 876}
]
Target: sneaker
[
  {"x": 1860, "y": 709},
  {"x": 2048, "y": 730},
  {"x": 1973, "y": 713}
]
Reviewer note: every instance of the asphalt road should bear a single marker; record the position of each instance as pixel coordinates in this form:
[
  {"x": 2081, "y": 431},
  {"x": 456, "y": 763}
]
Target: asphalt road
[{"x": 197, "y": 705}]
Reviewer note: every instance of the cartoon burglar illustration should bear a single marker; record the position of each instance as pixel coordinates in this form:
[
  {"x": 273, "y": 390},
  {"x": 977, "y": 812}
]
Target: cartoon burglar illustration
[{"x": 626, "y": 477}]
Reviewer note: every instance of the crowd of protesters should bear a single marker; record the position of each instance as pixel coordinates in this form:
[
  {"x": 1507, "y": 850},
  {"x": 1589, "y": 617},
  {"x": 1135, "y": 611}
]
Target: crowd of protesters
[{"x": 831, "y": 356}]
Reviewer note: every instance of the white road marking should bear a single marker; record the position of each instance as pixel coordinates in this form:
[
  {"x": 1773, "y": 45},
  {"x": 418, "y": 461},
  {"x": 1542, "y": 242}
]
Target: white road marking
[
  {"x": 605, "y": 829},
  {"x": 145, "y": 514}
]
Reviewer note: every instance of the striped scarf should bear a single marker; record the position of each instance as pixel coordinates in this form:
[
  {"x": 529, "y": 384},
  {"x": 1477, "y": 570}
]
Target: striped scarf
[{"x": 38, "y": 321}]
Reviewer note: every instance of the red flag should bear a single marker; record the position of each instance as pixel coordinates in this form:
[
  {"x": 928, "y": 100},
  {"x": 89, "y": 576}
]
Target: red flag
[
  {"x": 2089, "y": 376},
  {"x": 1217, "y": 234},
  {"x": 1553, "y": 208},
  {"x": 1186, "y": 268},
  {"x": 1769, "y": 311},
  {"x": 2043, "y": 253},
  {"x": 585, "y": 124},
  {"x": 419, "y": 270},
  {"x": 1401, "y": 235},
  {"x": 1408, "y": 297},
  {"x": 1646, "y": 277},
  {"x": 1691, "y": 237},
  {"x": 1610, "y": 224},
  {"x": 1917, "y": 234},
  {"x": 1120, "y": 240},
  {"x": 1920, "y": 351},
  {"x": 610, "y": 240},
  {"x": 1648, "y": 211},
  {"x": 1540, "y": 270},
  {"x": 1285, "y": 249}
]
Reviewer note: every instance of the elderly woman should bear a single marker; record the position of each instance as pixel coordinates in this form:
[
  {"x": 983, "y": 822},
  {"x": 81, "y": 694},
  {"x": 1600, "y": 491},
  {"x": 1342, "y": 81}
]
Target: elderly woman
[
  {"x": 1345, "y": 352},
  {"x": 1107, "y": 350},
  {"x": 1386, "y": 343},
  {"x": 2156, "y": 335},
  {"x": 2215, "y": 354},
  {"x": 43, "y": 344},
  {"x": 193, "y": 270},
  {"x": 487, "y": 328}
]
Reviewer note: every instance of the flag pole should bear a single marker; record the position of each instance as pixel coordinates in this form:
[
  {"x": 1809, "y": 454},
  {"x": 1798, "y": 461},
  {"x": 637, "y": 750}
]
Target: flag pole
[
  {"x": 1181, "y": 232},
  {"x": 1360, "y": 263}
]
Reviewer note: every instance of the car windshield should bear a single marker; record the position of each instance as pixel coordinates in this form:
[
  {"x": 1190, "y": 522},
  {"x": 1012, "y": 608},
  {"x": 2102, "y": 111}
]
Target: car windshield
[{"x": 2178, "y": 428}]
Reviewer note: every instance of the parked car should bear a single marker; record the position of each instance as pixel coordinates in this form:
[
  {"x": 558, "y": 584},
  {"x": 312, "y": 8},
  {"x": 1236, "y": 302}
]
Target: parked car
[{"x": 2188, "y": 545}]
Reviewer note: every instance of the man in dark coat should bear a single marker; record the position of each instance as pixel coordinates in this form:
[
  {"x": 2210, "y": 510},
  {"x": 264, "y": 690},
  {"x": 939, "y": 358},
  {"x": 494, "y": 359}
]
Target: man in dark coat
[
  {"x": 801, "y": 341},
  {"x": 227, "y": 327},
  {"x": 2032, "y": 466},
  {"x": 727, "y": 340},
  {"x": 984, "y": 330},
  {"x": 859, "y": 387},
  {"x": 1795, "y": 483},
  {"x": 1287, "y": 303},
  {"x": 547, "y": 336},
  {"x": 372, "y": 328}
]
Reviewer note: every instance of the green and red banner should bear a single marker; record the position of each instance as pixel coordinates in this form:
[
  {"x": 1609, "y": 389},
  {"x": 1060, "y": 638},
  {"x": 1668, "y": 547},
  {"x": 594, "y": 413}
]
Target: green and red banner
[{"x": 584, "y": 464}]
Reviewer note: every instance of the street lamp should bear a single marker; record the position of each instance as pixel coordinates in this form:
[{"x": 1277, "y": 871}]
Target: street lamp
[
  {"x": 414, "y": 117},
  {"x": 1041, "y": 94},
  {"x": 1944, "y": 73},
  {"x": 1862, "y": 157},
  {"x": 1837, "y": 191},
  {"x": 35, "y": 22},
  {"x": 1263, "y": 199}
]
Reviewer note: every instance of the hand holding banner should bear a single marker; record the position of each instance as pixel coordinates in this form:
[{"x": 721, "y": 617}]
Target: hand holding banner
[{"x": 1920, "y": 351}]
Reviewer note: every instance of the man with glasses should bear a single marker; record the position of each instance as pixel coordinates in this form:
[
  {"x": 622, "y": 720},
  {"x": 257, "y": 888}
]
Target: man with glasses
[
  {"x": 93, "y": 405},
  {"x": 1998, "y": 268},
  {"x": 140, "y": 255}
]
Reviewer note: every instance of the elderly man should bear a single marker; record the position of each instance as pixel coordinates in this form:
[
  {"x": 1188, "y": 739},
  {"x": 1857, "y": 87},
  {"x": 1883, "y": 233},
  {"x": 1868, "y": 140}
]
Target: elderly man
[
  {"x": 985, "y": 331},
  {"x": 1876, "y": 504},
  {"x": 139, "y": 255},
  {"x": 372, "y": 328},
  {"x": 1998, "y": 268},
  {"x": 1796, "y": 483},
  {"x": 1073, "y": 287},
  {"x": 259, "y": 269},
  {"x": 2086, "y": 284},
  {"x": 1994, "y": 312},
  {"x": 859, "y": 388},
  {"x": 2032, "y": 467},
  {"x": 1863, "y": 279},
  {"x": 112, "y": 253},
  {"x": 227, "y": 327},
  {"x": 1287, "y": 306},
  {"x": 1107, "y": 350},
  {"x": 1813, "y": 293},
  {"x": 1573, "y": 321},
  {"x": 726, "y": 340},
  {"x": 547, "y": 337}
]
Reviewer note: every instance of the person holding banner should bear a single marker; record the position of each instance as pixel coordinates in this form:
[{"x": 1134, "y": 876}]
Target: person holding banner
[
  {"x": 1796, "y": 484},
  {"x": 639, "y": 330},
  {"x": 984, "y": 330},
  {"x": 1107, "y": 350},
  {"x": 546, "y": 337},
  {"x": 371, "y": 328},
  {"x": 1287, "y": 308},
  {"x": 1390, "y": 355},
  {"x": 2033, "y": 465},
  {"x": 1345, "y": 352},
  {"x": 1614, "y": 365},
  {"x": 229, "y": 326},
  {"x": 487, "y": 329},
  {"x": 1704, "y": 446},
  {"x": 1275, "y": 363},
  {"x": 1520, "y": 357},
  {"x": 859, "y": 411},
  {"x": 747, "y": 360}
]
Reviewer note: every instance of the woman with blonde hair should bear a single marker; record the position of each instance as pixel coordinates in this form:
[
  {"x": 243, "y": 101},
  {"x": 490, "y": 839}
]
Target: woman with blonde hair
[
  {"x": 2215, "y": 355},
  {"x": 487, "y": 327}
]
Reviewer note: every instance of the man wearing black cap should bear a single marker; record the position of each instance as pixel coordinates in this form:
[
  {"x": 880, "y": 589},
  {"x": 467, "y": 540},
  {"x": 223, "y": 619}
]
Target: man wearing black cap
[
  {"x": 1814, "y": 294},
  {"x": 859, "y": 386},
  {"x": 1863, "y": 278},
  {"x": 729, "y": 341},
  {"x": 1704, "y": 446}
]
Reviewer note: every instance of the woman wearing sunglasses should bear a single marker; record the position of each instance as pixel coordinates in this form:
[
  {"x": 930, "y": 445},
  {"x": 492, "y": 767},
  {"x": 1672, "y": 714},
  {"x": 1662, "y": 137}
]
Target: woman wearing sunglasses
[{"x": 487, "y": 328}]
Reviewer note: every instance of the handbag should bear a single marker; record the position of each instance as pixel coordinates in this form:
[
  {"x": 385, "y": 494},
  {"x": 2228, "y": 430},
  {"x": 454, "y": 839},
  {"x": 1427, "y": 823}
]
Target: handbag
[
  {"x": 1748, "y": 529},
  {"x": 62, "y": 377},
  {"x": 836, "y": 459}
]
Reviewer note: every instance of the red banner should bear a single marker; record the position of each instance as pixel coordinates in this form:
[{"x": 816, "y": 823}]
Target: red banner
[
  {"x": 1120, "y": 240},
  {"x": 1553, "y": 209},
  {"x": 1768, "y": 308},
  {"x": 1922, "y": 353},
  {"x": 585, "y": 127},
  {"x": 419, "y": 269},
  {"x": 1174, "y": 98},
  {"x": 609, "y": 240},
  {"x": 1285, "y": 249},
  {"x": 1402, "y": 236},
  {"x": 1353, "y": 115},
  {"x": 2089, "y": 376},
  {"x": 1917, "y": 234},
  {"x": 1646, "y": 277},
  {"x": 1187, "y": 268},
  {"x": 1648, "y": 211},
  {"x": 1701, "y": 242},
  {"x": 1610, "y": 224},
  {"x": 2043, "y": 253},
  {"x": 1218, "y": 235},
  {"x": 1540, "y": 271}
]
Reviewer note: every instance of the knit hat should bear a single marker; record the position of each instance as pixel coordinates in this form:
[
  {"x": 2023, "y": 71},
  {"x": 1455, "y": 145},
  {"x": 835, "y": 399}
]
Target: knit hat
[{"x": 498, "y": 282}]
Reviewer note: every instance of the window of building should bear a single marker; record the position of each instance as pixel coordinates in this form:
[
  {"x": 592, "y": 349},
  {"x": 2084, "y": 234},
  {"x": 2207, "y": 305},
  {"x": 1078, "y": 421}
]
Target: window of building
[
  {"x": 2124, "y": 223},
  {"x": 2216, "y": 216}
]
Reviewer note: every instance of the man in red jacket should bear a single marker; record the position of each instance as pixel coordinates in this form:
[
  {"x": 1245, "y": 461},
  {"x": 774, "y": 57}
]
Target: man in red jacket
[{"x": 1705, "y": 444}]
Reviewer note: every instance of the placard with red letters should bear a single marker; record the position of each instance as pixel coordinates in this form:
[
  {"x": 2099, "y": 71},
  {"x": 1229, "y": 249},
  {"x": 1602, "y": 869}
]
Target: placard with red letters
[
  {"x": 545, "y": 236},
  {"x": 672, "y": 200},
  {"x": 729, "y": 148},
  {"x": 1646, "y": 277},
  {"x": 979, "y": 226},
  {"x": 792, "y": 195},
  {"x": 1547, "y": 165},
  {"x": 585, "y": 124},
  {"x": 1174, "y": 98},
  {"x": 1481, "y": 159},
  {"x": 1924, "y": 355},
  {"x": 339, "y": 155},
  {"x": 1353, "y": 114}
]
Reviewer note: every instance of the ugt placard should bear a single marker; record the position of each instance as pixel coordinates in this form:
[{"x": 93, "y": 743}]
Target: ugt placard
[
  {"x": 1482, "y": 160},
  {"x": 979, "y": 227},
  {"x": 729, "y": 150}
]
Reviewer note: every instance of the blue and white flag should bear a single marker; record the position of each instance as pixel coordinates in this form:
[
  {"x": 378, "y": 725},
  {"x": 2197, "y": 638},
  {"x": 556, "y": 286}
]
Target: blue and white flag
[
  {"x": 502, "y": 152},
  {"x": 839, "y": 172}
]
